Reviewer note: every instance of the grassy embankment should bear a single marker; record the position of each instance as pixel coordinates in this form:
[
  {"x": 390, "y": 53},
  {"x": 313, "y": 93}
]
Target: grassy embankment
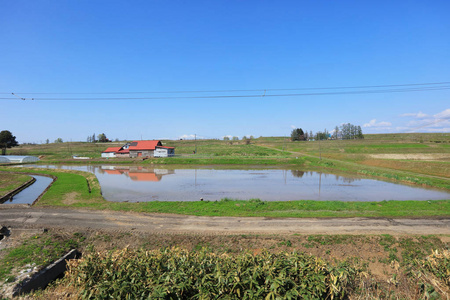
[
  {"x": 9, "y": 182},
  {"x": 352, "y": 157}
]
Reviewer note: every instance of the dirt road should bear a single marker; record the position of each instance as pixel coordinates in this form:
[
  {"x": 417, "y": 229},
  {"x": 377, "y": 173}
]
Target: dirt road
[{"x": 79, "y": 219}]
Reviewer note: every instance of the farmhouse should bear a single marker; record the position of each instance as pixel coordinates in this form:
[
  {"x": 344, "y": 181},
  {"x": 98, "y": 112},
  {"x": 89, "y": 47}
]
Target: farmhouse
[{"x": 134, "y": 149}]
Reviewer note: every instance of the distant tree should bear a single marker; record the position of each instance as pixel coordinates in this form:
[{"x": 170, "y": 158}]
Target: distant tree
[
  {"x": 322, "y": 135},
  {"x": 297, "y": 134},
  {"x": 350, "y": 131},
  {"x": 7, "y": 140},
  {"x": 226, "y": 138},
  {"x": 251, "y": 137},
  {"x": 235, "y": 138},
  {"x": 102, "y": 138},
  {"x": 359, "y": 134},
  {"x": 345, "y": 131},
  {"x": 311, "y": 136},
  {"x": 93, "y": 140},
  {"x": 59, "y": 140},
  {"x": 116, "y": 140},
  {"x": 336, "y": 132},
  {"x": 47, "y": 141}
]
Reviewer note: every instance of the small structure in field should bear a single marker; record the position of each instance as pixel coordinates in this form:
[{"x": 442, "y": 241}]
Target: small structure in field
[
  {"x": 17, "y": 159},
  {"x": 161, "y": 151},
  {"x": 111, "y": 152},
  {"x": 152, "y": 148},
  {"x": 80, "y": 157}
]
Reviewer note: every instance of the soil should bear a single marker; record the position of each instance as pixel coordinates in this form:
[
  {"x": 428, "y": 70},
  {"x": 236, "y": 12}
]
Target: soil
[
  {"x": 333, "y": 239},
  {"x": 415, "y": 156},
  {"x": 81, "y": 219}
]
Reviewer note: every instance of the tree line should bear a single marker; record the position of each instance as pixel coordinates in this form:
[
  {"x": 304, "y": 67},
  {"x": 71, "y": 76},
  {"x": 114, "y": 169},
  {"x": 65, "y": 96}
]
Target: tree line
[{"x": 345, "y": 132}]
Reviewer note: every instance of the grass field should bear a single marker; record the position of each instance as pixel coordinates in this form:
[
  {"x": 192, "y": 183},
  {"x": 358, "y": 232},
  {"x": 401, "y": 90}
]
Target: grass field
[
  {"x": 420, "y": 159},
  {"x": 393, "y": 267}
]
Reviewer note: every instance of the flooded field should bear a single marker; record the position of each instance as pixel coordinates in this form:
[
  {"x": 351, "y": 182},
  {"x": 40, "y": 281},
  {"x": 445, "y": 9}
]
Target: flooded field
[
  {"x": 140, "y": 184},
  {"x": 28, "y": 195}
]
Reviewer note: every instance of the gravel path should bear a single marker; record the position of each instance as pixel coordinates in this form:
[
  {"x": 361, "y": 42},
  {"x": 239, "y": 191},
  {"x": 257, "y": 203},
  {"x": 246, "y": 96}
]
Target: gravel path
[{"x": 80, "y": 219}]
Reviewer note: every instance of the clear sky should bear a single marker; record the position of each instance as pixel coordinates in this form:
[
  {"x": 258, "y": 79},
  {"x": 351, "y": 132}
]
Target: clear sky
[{"x": 55, "y": 49}]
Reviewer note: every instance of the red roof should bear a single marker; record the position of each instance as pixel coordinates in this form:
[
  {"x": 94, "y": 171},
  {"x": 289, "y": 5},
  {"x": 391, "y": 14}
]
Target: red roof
[
  {"x": 124, "y": 151},
  {"x": 166, "y": 147},
  {"x": 135, "y": 176},
  {"x": 144, "y": 145},
  {"x": 113, "y": 172},
  {"x": 112, "y": 149}
]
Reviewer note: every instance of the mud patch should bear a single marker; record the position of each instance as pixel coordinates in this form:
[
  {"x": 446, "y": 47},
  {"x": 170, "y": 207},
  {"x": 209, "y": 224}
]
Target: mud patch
[
  {"x": 71, "y": 198},
  {"x": 415, "y": 156}
]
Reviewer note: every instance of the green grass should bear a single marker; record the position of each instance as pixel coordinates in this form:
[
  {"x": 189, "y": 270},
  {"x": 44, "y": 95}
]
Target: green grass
[
  {"x": 292, "y": 209},
  {"x": 72, "y": 188},
  {"x": 10, "y": 182},
  {"x": 40, "y": 250},
  {"x": 180, "y": 274}
]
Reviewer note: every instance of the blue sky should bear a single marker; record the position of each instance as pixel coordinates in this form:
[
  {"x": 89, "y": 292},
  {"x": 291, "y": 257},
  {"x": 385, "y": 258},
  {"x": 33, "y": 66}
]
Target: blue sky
[{"x": 152, "y": 46}]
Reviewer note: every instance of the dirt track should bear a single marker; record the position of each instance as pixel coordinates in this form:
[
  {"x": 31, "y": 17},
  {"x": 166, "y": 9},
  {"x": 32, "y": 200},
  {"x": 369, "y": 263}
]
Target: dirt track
[{"x": 78, "y": 219}]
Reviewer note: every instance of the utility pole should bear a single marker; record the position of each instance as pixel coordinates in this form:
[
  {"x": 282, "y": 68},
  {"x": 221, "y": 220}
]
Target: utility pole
[{"x": 320, "y": 150}]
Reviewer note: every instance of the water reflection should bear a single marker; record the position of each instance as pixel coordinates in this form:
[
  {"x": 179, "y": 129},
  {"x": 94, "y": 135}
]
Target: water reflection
[
  {"x": 31, "y": 193},
  {"x": 143, "y": 183},
  {"x": 135, "y": 173}
]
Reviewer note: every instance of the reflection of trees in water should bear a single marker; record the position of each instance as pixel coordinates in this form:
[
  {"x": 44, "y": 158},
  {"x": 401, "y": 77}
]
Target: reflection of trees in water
[
  {"x": 300, "y": 174},
  {"x": 297, "y": 173},
  {"x": 350, "y": 180},
  {"x": 346, "y": 179}
]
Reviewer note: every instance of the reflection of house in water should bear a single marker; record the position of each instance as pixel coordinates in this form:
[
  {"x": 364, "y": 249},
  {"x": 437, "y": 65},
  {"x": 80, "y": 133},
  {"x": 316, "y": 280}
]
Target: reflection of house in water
[{"x": 136, "y": 173}]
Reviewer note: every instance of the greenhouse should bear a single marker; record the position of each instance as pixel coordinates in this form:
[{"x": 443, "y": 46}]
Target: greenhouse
[{"x": 17, "y": 159}]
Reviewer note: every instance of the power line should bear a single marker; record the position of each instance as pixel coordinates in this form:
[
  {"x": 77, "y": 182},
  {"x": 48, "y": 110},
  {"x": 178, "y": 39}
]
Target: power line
[
  {"x": 422, "y": 89},
  {"x": 439, "y": 120},
  {"x": 234, "y": 90}
]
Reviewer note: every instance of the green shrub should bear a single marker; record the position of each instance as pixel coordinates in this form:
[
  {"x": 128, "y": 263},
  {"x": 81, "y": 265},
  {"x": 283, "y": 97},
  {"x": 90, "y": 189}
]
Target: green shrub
[{"x": 180, "y": 274}]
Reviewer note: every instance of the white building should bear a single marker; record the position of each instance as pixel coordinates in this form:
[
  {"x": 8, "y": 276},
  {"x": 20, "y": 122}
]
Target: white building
[{"x": 161, "y": 151}]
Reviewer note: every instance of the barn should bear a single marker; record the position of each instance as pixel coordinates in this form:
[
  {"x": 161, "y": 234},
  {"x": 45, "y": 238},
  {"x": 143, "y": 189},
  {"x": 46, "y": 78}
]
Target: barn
[{"x": 143, "y": 148}]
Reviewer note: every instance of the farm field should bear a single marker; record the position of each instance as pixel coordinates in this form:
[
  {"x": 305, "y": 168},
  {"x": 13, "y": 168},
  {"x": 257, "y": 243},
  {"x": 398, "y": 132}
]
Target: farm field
[
  {"x": 377, "y": 266},
  {"x": 426, "y": 157}
]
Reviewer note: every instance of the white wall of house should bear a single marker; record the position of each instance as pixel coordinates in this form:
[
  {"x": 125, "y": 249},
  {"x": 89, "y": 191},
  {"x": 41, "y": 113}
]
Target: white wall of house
[
  {"x": 164, "y": 152},
  {"x": 109, "y": 154}
]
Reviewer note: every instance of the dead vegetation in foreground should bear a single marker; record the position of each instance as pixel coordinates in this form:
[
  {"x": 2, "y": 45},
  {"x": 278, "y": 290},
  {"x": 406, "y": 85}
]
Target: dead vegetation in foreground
[{"x": 383, "y": 266}]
